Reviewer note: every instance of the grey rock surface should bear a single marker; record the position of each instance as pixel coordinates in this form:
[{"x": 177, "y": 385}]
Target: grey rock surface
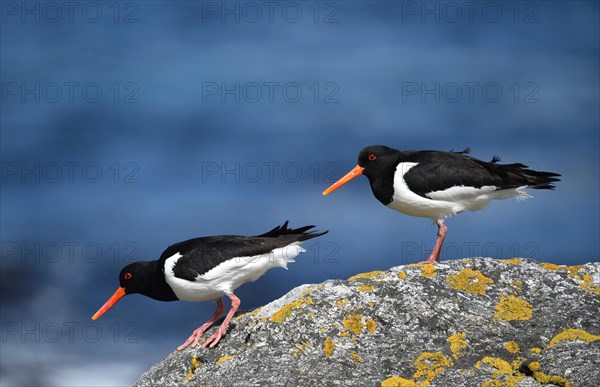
[{"x": 470, "y": 322}]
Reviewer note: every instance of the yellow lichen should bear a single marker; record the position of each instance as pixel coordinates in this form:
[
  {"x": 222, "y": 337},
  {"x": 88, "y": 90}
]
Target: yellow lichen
[
  {"x": 356, "y": 358},
  {"x": 354, "y": 323},
  {"x": 371, "y": 304},
  {"x": 501, "y": 366},
  {"x": 512, "y": 347},
  {"x": 429, "y": 365},
  {"x": 517, "y": 284},
  {"x": 471, "y": 281},
  {"x": 428, "y": 270},
  {"x": 329, "y": 347},
  {"x": 491, "y": 383},
  {"x": 501, "y": 369},
  {"x": 397, "y": 381},
  {"x": 535, "y": 350},
  {"x": 458, "y": 344},
  {"x": 287, "y": 310},
  {"x": 550, "y": 266},
  {"x": 402, "y": 275},
  {"x": 513, "y": 261},
  {"x": 365, "y": 288},
  {"x": 511, "y": 308},
  {"x": 344, "y": 333},
  {"x": 589, "y": 286},
  {"x": 543, "y": 378},
  {"x": 195, "y": 364},
  {"x": 341, "y": 302},
  {"x": 224, "y": 358},
  {"x": 301, "y": 349},
  {"x": 371, "y": 325},
  {"x": 574, "y": 270},
  {"x": 572, "y": 335},
  {"x": 368, "y": 275}
]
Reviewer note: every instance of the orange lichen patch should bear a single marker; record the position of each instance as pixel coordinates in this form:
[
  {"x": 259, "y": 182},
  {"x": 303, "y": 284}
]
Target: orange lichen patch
[
  {"x": 195, "y": 364},
  {"x": 571, "y": 334},
  {"x": 458, "y": 344},
  {"x": 329, "y": 347},
  {"x": 535, "y": 350},
  {"x": 402, "y": 275},
  {"x": 511, "y": 308},
  {"x": 468, "y": 280},
  {"x": 428, "y": 270},
  {"x": 513, "y": 261},
  {"x": 369, "y": 275},
  {"x": 341, "y": 302},
  {"x": 589, "y": 286},
  {"x": 354, "y": 323},
  {"x": 550, "y": 266},
  {"x": 492, "y": 383},
  {"x": 356, "y": 358},
  {"x": 371, "y": 325},
  {"x": 397, "y": 381},
  {"x": 429, "y": 365},
  {"x": 224, "y": 358},
  {"x": 500, "y": 366},
  {"x": 287, "y": 310},
  {"x": 512, "y": 347},
  {"x": 366, "y": 288}
]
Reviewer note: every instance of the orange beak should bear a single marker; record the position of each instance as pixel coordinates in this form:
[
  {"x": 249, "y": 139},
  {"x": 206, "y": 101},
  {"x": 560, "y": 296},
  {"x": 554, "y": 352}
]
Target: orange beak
[
  {"x": 110, "y": 303},
  {"x": 353, "y": 174}
]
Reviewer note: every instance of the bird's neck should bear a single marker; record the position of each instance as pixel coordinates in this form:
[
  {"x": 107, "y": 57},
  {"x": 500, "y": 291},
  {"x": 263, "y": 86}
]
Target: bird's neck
[{"x": 156, "y": 285}]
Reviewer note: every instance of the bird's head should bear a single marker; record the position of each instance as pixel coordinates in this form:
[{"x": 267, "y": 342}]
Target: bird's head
[
  {"x": 134, "y": 278},
  {"x": 373, "y": 161}
]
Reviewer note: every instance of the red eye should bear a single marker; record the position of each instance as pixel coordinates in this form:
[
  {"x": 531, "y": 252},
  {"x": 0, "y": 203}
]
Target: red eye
[
  {"x": 128, "y": 276},
  {"x": 372, "y": 157}
]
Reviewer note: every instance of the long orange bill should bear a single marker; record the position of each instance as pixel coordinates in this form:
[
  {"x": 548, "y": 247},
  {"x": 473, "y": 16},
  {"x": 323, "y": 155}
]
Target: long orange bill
[
  {"x": 110, "y": 303},
  {"x": 354, "y": 173}
]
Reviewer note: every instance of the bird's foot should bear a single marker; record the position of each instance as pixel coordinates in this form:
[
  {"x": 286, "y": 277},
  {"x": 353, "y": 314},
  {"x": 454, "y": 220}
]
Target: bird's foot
[
  {"x": 195, "y": 337},
  {"x": 214, "y": 339},
  {"x": 431, "y": 259}
]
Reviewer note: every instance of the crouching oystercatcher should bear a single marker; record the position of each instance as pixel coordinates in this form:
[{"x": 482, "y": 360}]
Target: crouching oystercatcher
[
  {"x": 204, "y": 269},
  {"x": 434, "y": 184}
]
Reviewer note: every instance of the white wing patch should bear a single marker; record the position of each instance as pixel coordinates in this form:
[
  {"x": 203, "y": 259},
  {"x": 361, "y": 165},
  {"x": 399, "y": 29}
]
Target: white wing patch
[{"x": 228, "y": 275}]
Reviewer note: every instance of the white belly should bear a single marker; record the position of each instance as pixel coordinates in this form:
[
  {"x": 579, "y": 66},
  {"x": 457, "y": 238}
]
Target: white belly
[{"x": 229, "y": 275}]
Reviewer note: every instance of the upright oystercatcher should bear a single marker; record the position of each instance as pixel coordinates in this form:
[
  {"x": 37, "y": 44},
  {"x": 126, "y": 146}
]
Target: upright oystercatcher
[
  {"x": 435, "y": 184},
  {"x": 207, "y": 268}
]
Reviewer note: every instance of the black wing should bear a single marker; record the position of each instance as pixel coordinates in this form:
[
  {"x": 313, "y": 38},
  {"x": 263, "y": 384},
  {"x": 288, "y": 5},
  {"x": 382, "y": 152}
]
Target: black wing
[
  {"x": 441, "y": 170},
  {"x": 199, "y": 255}
]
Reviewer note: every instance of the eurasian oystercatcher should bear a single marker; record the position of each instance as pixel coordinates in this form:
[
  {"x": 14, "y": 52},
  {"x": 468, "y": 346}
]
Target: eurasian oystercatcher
[
  {"x": 204, "y": 269},
  {"x": 435, "y": 184}
]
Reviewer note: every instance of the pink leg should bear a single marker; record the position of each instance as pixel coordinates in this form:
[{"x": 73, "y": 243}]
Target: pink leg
[
  {"x": 214, "y": 339},
  {"x": 193, "y": 339},
  {"x": 437, "y": 249}
]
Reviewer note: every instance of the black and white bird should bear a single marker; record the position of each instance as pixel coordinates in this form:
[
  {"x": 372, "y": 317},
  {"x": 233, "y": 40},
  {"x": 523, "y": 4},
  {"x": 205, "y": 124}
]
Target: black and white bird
[
  {"x": 434, "y": 184},
  {"x": 207, "y": 268}
]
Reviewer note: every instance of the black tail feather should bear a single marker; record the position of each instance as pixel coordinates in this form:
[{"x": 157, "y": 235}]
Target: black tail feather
[{"x": 302, "y": 233}]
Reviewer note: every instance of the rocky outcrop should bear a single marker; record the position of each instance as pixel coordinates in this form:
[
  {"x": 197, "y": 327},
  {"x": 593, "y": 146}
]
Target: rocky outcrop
[{"x": 470, "y": 322}]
